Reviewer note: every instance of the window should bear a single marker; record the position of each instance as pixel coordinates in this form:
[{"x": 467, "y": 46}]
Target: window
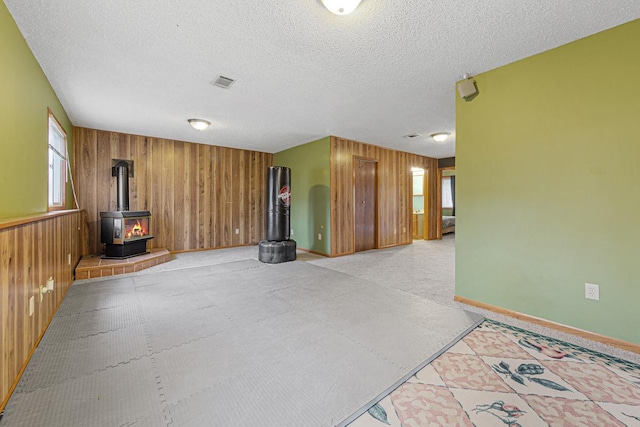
[
  {"x": 57, "y": 164},
  {"x": 447, "y": 200}
]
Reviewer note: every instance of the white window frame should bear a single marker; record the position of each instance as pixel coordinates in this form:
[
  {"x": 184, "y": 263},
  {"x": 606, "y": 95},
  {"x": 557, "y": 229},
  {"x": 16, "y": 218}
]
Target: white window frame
[
  {"x": 447, "y": 200},
  {"x": 57, "y": 164}
]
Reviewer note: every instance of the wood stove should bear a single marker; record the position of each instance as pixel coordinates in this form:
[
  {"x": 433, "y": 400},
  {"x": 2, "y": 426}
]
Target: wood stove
[{"x": 124, "y": 232}]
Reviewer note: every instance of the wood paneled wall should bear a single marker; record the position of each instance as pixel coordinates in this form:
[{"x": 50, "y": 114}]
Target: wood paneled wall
[
  {"x": 395, "y": 188},
  {"x": 31, "y": 251},
  {"x": 198, "y": 195}
]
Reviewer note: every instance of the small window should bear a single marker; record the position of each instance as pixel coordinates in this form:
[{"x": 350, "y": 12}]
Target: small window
[
  {"x": 57, "y": 164},
  {"x": 447, "y": 200}
]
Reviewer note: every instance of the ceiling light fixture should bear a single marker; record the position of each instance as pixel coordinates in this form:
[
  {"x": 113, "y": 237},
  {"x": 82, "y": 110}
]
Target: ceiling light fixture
[
  {"x": 440, "y": 136},
  {"x": 199, "y": 124},
  {"x": 341, "y": 7}
]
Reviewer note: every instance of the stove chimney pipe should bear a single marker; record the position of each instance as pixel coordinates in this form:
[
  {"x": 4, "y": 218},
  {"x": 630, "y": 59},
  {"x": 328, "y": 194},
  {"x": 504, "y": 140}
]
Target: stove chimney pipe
[{"x": 122, "y": 172}]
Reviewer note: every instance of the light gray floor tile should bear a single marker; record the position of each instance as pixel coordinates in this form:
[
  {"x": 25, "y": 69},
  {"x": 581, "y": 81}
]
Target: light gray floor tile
[
  {"x": 113, "y": 397},
  {"x": 173, "y": 328},
  {"x": 84, "y": 324},
  {"x": 222, "y": 339},
  {"x": 81, "y": 302},
  {"x": 59, "y": 361}
]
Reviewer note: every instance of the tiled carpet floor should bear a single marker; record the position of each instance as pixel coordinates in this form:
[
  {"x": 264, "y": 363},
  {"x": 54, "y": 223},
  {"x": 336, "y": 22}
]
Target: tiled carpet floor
[
  {"x": 238, "y": 343},
  {"x": 500, "y": 375},
  {"x": 468, "y": 385}
]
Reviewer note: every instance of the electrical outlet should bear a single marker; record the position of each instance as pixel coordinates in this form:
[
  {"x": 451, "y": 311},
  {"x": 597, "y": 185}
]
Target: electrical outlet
[
  {"x": 237, "y": 231},
  {"x": 292, "y": 231},
  {"x": 69, "y": 259},
  {"x": 319, "y": 236},
  {"x": 592, "y": 291},
  {"x": 32, "y": 305}
]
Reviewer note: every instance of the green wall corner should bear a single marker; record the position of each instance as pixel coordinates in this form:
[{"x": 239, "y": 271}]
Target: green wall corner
[
  {"x": 26, "y": 95},
  {"x": 310, "y": 193},
  {"x": 547, "y": 165}
]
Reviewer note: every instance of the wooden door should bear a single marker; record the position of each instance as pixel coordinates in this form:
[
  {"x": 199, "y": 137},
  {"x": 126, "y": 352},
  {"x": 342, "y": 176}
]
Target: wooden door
[{"x": 365, "y": 204}]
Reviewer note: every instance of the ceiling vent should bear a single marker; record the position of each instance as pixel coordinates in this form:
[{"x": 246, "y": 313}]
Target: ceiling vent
[
  {"x": 412, "y": 135},
  {"x": 223, "y": 82}
]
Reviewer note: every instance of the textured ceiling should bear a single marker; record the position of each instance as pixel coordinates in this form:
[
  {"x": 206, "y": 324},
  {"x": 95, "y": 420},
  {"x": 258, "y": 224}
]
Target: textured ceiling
[{"x": 302, "y": 73}]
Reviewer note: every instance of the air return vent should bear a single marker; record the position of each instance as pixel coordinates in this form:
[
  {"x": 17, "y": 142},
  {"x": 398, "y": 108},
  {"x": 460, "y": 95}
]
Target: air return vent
[{"x": 223, "y": 82}]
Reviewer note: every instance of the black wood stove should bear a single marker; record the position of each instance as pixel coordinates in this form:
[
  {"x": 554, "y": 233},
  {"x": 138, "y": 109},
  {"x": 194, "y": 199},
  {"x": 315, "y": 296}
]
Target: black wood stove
[{"x": 124, "y": 232}]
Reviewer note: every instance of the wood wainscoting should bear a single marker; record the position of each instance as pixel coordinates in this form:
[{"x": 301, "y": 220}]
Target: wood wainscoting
[
  {"x": 198, "y": 195},
  {"x": 32, "y": 250},
  {"x": 394, "y": 192}
]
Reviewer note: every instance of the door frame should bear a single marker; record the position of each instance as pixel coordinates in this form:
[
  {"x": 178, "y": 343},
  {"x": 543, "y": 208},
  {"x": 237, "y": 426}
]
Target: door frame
[
  {"x": 439, "y": 200},
  {"x": 376, "y": 236},
  {"x": 427, "y": 205}
]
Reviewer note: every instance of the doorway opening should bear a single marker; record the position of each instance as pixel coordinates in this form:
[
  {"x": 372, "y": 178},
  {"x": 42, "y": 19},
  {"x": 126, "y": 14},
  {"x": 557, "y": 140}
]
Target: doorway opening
[
  {"x": 419, "y": 219},
  {"x": 446, "y": 200}
]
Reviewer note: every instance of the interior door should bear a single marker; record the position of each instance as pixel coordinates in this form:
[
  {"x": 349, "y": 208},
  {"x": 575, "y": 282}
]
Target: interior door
[{"x": 365, "y": 204}]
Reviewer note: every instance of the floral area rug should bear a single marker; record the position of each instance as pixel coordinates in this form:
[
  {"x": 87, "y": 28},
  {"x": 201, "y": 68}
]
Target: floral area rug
[{"x": 502, "y": 375}]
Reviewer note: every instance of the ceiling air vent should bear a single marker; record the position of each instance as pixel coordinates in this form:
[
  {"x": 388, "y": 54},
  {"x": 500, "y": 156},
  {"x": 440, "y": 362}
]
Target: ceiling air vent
[
  {"x": 223, "y": 82},
  {"x": 412, "y": 135}
]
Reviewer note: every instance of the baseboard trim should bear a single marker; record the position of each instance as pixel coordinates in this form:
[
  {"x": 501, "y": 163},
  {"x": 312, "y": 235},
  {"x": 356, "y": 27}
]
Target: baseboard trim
[
  {"x": 309, "y": 251},
  {"x": 614, "y": 342},
  {"x": 184, "y": 251},
  {"x": 393, "y": 245}
]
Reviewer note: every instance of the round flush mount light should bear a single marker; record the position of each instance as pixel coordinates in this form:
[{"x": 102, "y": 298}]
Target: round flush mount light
[
  {"x": 199, "y": 124},
  {"x": 440, "y": 136},
  {"x": 341, "y": 7}
]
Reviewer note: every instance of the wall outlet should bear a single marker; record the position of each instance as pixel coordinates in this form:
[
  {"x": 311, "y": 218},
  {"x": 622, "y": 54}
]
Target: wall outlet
[
  {"x": 592, "y": 291},
  {"x": 292, "y": 231},
  {"x": 319, "y": 236},
  {"x": 69, "y": 259},
  {"x": 32, "y": 305},
  {"x": 237, "y": 231}
]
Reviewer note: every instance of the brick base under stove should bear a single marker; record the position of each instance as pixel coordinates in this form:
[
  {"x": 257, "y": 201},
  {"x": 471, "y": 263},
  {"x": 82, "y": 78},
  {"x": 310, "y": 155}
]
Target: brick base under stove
[{"x": 92, "y": 266}]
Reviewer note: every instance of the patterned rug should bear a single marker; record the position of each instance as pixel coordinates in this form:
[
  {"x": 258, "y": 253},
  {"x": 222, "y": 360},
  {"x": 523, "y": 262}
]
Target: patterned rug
[{"x": 503, "y": 375}]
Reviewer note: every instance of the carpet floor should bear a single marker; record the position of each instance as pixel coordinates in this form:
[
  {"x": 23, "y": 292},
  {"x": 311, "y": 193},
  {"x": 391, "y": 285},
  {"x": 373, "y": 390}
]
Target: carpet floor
[{"x": 504, "y": 372}]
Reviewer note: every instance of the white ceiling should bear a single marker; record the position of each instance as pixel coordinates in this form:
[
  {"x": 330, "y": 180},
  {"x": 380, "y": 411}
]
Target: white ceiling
[{"x": 387, "y": 70}]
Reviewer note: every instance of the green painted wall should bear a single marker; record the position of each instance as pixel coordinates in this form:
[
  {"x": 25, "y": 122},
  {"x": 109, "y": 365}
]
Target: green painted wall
[
  {"x": 545, "y": 153},
  {"x": 310, "y": 193},
  {"x": 26, "y": 94}
]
